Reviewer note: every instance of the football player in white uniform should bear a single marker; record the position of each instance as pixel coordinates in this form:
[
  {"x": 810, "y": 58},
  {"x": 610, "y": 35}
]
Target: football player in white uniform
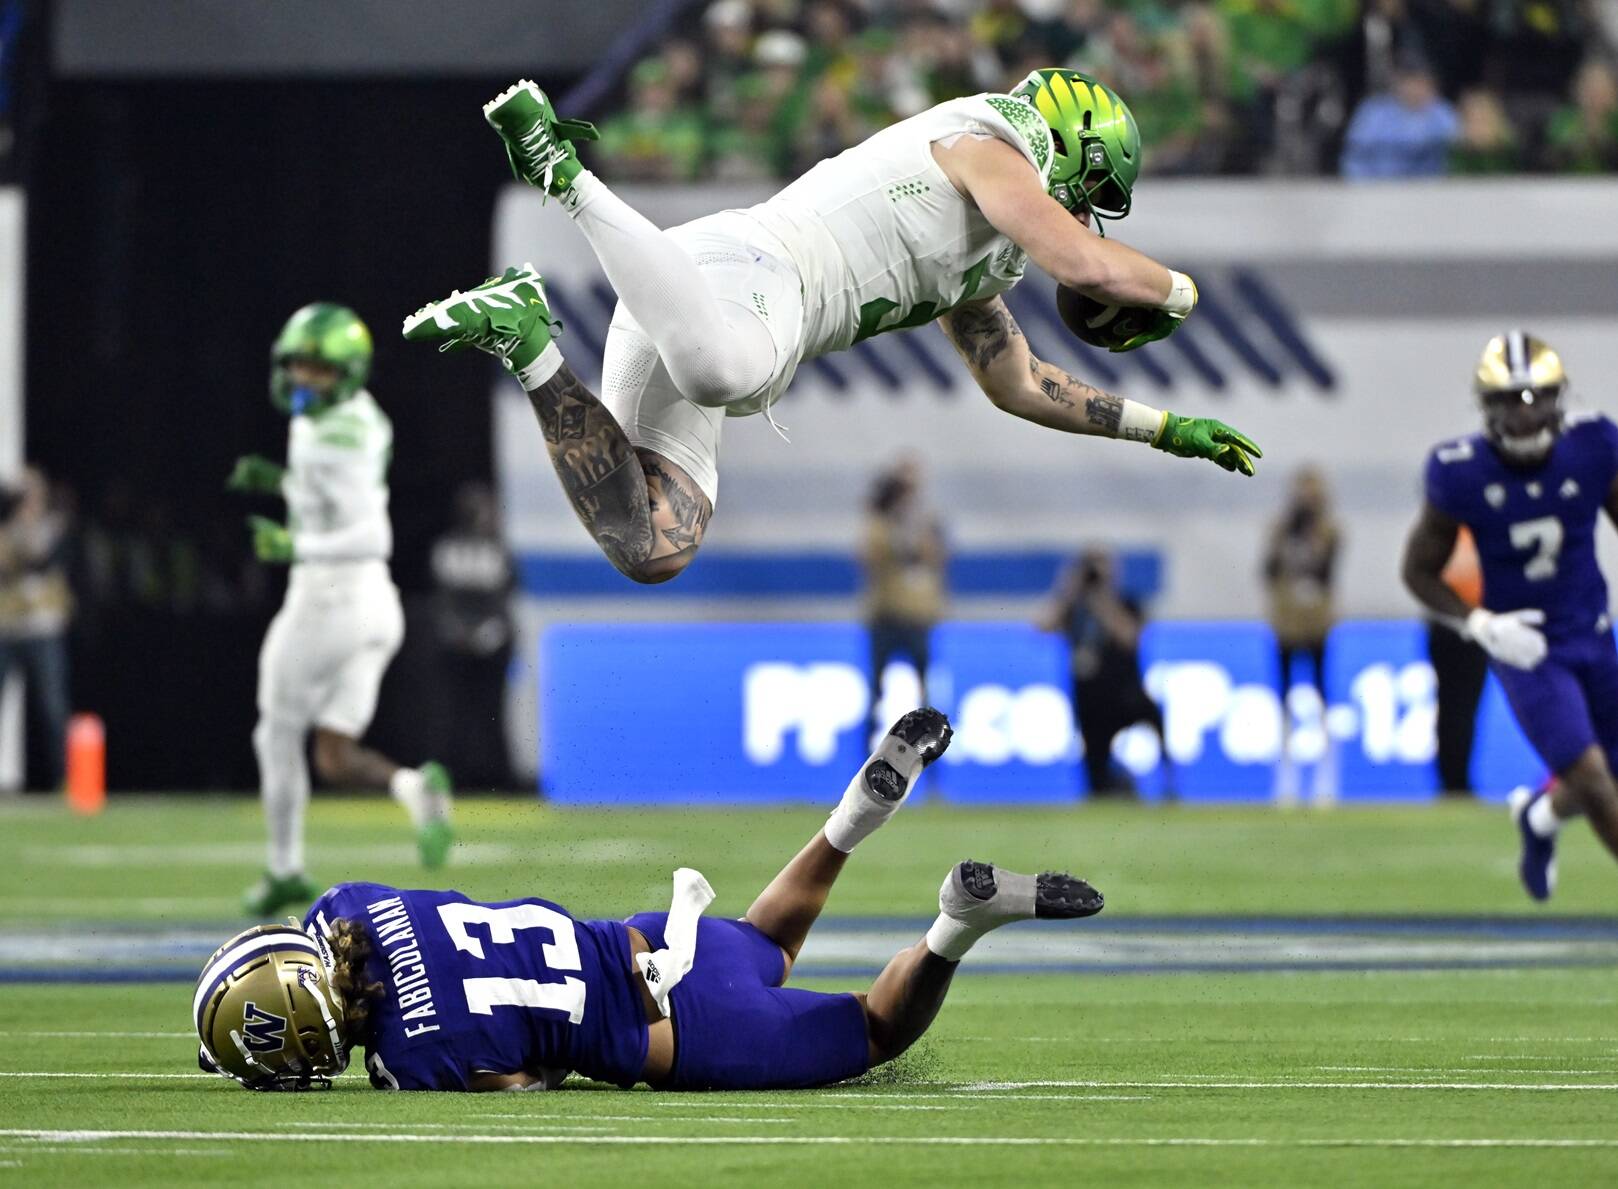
[
  {"x": 324, "y": 656},
  {"x": 931, "y": 219}
]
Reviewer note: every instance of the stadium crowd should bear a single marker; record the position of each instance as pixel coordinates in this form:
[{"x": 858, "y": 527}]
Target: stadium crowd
[{"x": 762, "y": 89}]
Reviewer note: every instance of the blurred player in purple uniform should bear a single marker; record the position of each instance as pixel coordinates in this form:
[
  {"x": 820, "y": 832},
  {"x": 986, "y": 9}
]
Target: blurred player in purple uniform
[
  {"x": 448, "y": 994},
  {"x": 1531, "y": 488}
]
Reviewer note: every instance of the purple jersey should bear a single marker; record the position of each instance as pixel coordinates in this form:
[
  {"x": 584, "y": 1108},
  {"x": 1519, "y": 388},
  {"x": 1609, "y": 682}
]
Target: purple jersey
[
  {"x": 1535, "y": 527},
  {"x": 514, "y": 986}
]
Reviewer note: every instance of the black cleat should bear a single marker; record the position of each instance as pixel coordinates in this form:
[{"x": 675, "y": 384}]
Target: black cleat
[
  {"x": 1062, "y": 897},
  {"x": 987, "y": 896},
  {"x": 910, "y": 745},
  {"x": 927, "y": 730}
]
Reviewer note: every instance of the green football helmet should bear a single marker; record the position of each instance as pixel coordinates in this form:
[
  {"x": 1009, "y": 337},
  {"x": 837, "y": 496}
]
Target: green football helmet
[
  {"x": 267, "y": 1013},
  {"x": 1096, "y": 142},
  {"x": 324, "y": 333}
]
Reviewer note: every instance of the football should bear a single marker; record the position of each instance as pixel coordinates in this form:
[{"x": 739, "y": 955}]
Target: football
[{"x": 1099, "y": 324}]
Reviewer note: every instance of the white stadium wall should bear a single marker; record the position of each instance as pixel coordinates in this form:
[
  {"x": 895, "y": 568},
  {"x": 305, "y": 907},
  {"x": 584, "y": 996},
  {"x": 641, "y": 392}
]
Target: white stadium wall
[
  {"x": 1338, "y": 327},
  {"x": 11, "y": 436}
]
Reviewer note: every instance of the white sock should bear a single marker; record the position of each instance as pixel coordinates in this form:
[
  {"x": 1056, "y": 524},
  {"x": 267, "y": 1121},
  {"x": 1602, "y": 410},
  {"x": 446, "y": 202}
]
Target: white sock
[
  {"x": 409, "y": 788},
  {"x": 711, "y": 356},
  {"x": 283, "y": 780},
  {"x": 950, "y": 939},
  {"x": 1542, "y": 818},
  {"x": 542, "y": 369},
  {"x": 861, "y": 811}
]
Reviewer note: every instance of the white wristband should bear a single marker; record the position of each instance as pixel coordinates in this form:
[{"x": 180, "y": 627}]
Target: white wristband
[
  {"x": 1182, "y": 298},
  {"x": 541, "y": 369},
  {"x": 1140, "y": 423}
]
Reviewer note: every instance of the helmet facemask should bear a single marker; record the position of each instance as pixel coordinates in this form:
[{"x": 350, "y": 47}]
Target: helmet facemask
[
  {"x": 1094, "y": 141},
  {"x": 1094, "y": 186}
]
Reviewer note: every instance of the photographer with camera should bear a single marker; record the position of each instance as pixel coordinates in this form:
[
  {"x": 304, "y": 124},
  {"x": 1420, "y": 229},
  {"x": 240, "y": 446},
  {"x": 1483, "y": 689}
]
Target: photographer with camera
[
  {"x": 1103, "y": 626},
  {"x": 35, "y": 608}
]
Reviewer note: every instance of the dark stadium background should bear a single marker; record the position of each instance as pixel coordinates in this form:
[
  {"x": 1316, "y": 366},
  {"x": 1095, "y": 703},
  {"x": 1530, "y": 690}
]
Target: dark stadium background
[{"x": 175, "y": 223}]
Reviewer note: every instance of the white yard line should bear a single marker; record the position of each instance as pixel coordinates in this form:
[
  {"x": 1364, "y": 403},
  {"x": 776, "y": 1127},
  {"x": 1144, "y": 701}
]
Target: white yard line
[
  {"x": 828, "y": 1106},
  {"x": 50, "y": 1148},
  {"x": 1470, "y": 1069},
  {"x": 1499, "y": 1058},
  {"x": 1054, "y": 1097},
  {"x": 21, "y": 1073},
  {"x": 1190, "y": 1082},
  {"x": 1175, "y": 1040},
  {"x": 1282, "y": 1084},
  {"x": 974, "y": 1097},
  {"x": 517, "y": 1119},
  {"x": 544, "y": 1123},
  {"x": 537, "y": 1125},
  {"x": 396, "y": 1137},
  {"x": 189, "y": 1034}
]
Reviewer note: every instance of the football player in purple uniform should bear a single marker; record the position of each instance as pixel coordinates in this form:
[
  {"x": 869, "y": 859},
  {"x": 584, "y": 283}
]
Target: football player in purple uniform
[
  {"x": 1532, "y": 487},
  {"x": 445, "y": 993}
]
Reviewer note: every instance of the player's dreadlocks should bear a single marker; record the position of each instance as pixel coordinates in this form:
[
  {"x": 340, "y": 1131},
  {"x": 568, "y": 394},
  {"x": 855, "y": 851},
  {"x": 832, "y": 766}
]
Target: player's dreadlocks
[{"x": 351, "y": 948}]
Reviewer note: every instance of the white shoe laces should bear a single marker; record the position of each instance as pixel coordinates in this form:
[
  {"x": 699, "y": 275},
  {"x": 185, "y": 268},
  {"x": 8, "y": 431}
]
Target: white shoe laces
[{"x": 545, "y": 149}]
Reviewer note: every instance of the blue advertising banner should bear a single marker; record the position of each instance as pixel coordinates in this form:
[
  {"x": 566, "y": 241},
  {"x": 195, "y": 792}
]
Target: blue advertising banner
[{"x": 728, "y": 713}]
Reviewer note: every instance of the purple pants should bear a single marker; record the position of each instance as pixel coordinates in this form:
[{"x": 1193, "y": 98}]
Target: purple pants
[{"x": 1569, "y": 702}]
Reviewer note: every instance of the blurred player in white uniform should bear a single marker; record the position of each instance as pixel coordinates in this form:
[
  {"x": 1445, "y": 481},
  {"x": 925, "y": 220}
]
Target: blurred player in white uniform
[
  {"x": 323, "y": 658},
  {"x": 931, "y": 219}
]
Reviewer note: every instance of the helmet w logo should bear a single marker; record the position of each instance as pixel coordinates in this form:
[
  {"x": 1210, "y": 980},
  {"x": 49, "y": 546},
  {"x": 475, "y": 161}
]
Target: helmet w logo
[{"x": 262, "y": 1031}]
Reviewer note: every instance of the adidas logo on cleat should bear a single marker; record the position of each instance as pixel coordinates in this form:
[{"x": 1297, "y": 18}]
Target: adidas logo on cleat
[{"x": 884, "y": 780}]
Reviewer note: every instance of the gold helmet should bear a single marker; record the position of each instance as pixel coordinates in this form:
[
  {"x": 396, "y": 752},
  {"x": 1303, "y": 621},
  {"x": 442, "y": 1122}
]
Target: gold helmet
[
  {"x": 267, "y": 1012},
  {"x": 1519, "y": 384}
]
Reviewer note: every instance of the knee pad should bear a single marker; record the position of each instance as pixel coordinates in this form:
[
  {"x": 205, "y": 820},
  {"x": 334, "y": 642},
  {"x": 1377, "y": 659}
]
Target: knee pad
[{"x": 714, "y": 375}]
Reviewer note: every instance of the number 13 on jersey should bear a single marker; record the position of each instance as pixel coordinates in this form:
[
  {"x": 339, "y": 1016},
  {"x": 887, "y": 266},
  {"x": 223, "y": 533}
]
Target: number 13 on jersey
[{"x": 561, "y": 953}]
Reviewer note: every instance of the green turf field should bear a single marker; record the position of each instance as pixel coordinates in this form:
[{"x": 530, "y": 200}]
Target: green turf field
[{"x": 1459, "y": 1034}]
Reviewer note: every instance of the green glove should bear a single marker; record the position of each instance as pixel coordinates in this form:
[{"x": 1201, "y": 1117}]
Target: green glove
[
  {"x": 271, "y": 541},
  {"x": 1203, "y": 437},
  {"x": 256, "y": 474},
  {"x": 1159, "y": 325}
]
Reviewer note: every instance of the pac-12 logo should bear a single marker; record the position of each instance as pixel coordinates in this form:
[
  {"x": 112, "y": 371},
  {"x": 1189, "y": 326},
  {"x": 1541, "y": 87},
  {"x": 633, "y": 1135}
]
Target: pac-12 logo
[{"x": 262, "y": 1031}]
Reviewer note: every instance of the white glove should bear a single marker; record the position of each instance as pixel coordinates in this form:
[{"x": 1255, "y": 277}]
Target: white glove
[{"x": 1511, "y": 637}]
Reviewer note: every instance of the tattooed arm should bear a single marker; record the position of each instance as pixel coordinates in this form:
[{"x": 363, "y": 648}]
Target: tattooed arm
[
  {"x": 647, "y": 515},
  {"x": 997, "y": 354}
]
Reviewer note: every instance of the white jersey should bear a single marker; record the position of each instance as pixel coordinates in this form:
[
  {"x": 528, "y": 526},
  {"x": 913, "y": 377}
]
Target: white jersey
[
  {"x": 881, "y": 237},
  {"x": 336, "y": 483}
]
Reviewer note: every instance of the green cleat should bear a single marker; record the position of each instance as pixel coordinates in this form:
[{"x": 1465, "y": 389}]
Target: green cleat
[
  {"x": 538, "y": 143},
  {"x": 272, "y": 893},
  {"x": 433, "y": 839},
  {"x": 507, "y": 316}
]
